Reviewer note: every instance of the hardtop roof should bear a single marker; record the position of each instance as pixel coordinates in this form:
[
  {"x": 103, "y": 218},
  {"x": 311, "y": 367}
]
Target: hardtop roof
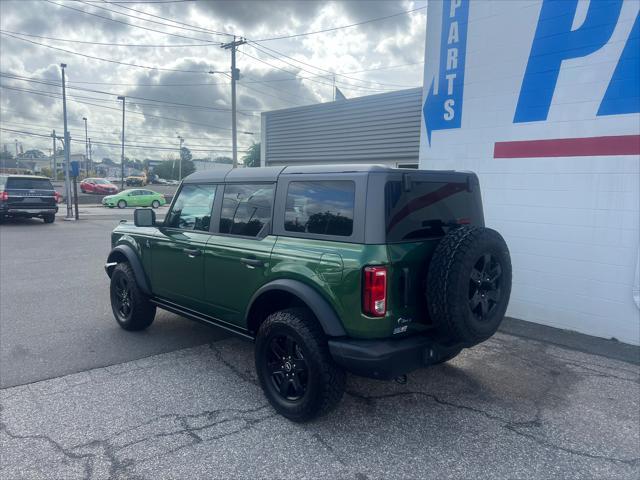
[{"x": 271, "y": 174}]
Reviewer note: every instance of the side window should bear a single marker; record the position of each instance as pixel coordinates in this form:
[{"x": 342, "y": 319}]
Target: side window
[
  {"x": 246, "y": 209},
  {"x": 192, "y": 208},
  {"x": 323, "y": 207}
]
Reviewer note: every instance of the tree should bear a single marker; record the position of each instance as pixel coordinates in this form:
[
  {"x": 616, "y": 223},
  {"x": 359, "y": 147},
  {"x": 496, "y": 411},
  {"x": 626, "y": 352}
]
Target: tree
[
  {"x": 185, "y": 154},
  {"x": 34, "y": 154},
  {"x": 187, "y": 163},
  {"x": 252, "y": 157},
  {"x": 223, "y": 160},
  {"x": 169, "y": 169}
]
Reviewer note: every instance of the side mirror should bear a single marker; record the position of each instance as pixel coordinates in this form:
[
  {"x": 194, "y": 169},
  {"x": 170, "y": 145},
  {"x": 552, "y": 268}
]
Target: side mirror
[{"x": 144, "y": 217}]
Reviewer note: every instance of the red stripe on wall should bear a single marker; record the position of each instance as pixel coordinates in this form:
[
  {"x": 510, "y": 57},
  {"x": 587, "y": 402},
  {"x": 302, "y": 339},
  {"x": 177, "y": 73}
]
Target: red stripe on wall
[{"x": 569, "y": 147}]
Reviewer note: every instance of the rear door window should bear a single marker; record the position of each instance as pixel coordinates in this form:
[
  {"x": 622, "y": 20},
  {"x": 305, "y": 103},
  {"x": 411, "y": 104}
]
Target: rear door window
[
  {"x": 246, "y": 209},
  {"x": 19, "y": 183},
  {"x": 320, "y": 207}
]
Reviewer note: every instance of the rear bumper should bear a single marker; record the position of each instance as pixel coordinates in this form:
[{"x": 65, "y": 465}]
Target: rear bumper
[
  {"x": 387, "y": 359},
  {"x": 27, "y": 212}
]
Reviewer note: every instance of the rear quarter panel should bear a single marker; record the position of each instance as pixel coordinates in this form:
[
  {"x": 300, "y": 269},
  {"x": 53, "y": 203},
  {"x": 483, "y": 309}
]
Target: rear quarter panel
[{"x": 333, "y": 269}]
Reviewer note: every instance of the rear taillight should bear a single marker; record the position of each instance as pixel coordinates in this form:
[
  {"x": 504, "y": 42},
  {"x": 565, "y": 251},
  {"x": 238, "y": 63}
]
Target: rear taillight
[
  {"x": 4, "y": 196},
  {"x": 374, "y": 292},
  {"x": 57, "y": 197}
]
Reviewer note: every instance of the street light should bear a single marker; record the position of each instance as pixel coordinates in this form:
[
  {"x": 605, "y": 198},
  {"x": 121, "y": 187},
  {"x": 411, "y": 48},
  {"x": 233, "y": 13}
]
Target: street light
[
  {"x": 180, "y": 158},
  {"x": 122, "y": 156},
  {"x": 86, "y": 147}
]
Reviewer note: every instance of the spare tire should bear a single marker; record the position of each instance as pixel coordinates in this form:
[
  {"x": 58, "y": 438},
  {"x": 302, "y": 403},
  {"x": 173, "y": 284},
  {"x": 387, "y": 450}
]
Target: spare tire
[{"x": 469, "y": 284}]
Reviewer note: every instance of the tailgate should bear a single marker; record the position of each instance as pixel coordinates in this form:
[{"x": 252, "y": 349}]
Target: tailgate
[{"x": 30, "y": 193}]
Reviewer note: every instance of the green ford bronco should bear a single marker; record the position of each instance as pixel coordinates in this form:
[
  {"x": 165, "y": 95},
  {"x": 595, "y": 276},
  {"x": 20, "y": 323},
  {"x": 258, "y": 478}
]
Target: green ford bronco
[{"x": 367, "y": 269}]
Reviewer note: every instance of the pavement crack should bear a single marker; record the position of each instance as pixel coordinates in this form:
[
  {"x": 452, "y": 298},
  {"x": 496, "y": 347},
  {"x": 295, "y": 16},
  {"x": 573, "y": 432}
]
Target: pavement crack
[
  {"x": 509, "y": 425},
  {"x": 329, "y": 448},
  {"x": 572, "y": 451},
  {"x": 246, "y": 376},
  {"x": 67, "y": 452}
]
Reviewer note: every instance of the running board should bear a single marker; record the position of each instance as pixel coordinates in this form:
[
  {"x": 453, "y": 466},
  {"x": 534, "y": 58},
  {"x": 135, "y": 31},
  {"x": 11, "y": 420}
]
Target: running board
[{"x": 201, "y": 318}]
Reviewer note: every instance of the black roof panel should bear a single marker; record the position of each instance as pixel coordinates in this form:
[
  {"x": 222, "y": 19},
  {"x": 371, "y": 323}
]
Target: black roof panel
[{"x": 271, "y": 174}]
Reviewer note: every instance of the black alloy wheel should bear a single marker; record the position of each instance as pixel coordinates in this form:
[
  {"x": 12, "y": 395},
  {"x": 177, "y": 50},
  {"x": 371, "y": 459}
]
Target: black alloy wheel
[
  {"x": 294, "y": 365},
  {"x": 485, "y": 286},
  {"x": 287, "y": 367},
  {"x": 121, "y": 298},
  {"x": 131, "y": 307}
]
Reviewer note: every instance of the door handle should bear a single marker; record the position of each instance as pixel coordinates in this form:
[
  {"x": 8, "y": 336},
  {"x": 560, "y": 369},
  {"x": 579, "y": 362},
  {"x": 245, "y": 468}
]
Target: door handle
[
  {"x": 192, "y": 252},
  {"x": 252, "y": 262}
]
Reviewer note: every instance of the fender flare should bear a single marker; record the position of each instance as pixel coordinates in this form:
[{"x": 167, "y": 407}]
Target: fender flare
[
  {"x": 134, "y": 261},
  {"x": 320, "y": 307}
]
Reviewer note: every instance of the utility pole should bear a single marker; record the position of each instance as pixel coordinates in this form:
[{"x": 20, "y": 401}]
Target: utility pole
[
  {"x": 180, "y": 158},
  {"x": 90, "y": 156},
  {"x": 54, "y": 173},
  {"x": 122, "y": 156},
  {"x": 235, "y": 75},
  {"x": 334, "y": 87},
  {"x": 67, "y": 147},
  {"x": 86, "y": 147}
]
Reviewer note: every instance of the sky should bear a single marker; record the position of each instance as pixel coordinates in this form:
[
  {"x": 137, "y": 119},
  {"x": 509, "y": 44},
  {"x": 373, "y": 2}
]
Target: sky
[{"x": 158, "y": 54}]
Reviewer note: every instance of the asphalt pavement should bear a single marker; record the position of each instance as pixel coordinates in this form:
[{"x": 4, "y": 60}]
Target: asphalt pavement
[
  {"x": 82, "y": 398},
  {"x": 510, "y": 408},
  {"x": 55, "y": 316}
]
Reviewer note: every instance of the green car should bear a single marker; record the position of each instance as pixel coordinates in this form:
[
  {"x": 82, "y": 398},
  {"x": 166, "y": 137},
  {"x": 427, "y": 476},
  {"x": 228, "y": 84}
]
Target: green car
[
  {"x": 329, "y": 269},
  {"x": 134, "y": 198}
]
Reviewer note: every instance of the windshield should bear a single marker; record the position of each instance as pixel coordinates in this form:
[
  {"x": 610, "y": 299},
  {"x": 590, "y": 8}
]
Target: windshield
[{"x": 101, "y": 181}]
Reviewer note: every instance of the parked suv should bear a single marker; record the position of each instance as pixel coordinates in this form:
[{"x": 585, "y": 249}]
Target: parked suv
[
  {"x": 367, "y": 269},
  {"x": 28, "y": 196}
]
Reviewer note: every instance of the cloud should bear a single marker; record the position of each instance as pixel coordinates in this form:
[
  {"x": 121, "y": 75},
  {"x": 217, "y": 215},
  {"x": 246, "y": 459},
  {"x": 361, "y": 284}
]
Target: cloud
[{"x": 265, "y": 84}]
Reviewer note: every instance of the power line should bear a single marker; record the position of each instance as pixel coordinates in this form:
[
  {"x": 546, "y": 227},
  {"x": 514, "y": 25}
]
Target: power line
[
  {"x": 117, "y": 134},
  {"x": 111, "y": 129},
  {"x": 168, "y": 19},
  {"x": 102, "y": 92},
  {"x": 111, "y": 144},
  {"x": 313, "y": 79},
  {"x": 142, "y": 1},
  {"x": 92, "y": 57},
  {"x": 129, "y": 24},
  {"x": 110, "y": 44},
  {"x": 132, "y": 112},
  {"x": 280, "y": 54},
  {"x": 340, "y": 28},
  {"x": 192, "y": 28}
]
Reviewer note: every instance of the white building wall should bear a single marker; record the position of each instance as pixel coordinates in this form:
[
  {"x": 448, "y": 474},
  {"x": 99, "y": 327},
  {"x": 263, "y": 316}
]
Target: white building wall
[{"x": 571, "y": 222}]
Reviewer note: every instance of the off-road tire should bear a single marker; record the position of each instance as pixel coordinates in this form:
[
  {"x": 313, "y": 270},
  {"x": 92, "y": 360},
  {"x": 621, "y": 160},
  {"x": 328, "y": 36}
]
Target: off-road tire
[
  {"x": 325, "y": 379},
  {"x": 155, "y": 204},
  {"x": 449, "y": 284},
  {"x": 122, "y": 204},
  {"x": 141, "y": 312},
  {"x": 49, "y": 218}
]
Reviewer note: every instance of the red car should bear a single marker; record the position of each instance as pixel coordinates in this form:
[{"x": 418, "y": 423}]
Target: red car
[{"x": 98, "y": 185}]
